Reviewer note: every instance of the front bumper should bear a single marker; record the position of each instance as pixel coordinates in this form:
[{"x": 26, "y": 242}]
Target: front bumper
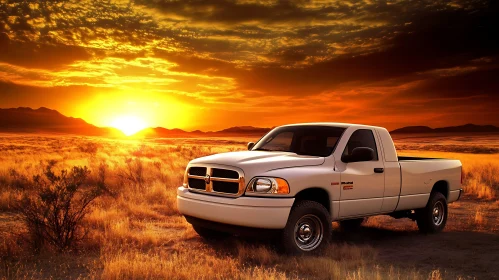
[{"x": 255, "y": 212}]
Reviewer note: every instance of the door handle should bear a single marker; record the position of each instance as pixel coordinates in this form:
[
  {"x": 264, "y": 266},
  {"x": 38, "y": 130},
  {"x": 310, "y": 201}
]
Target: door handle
[{"x": 379, "y": 170}]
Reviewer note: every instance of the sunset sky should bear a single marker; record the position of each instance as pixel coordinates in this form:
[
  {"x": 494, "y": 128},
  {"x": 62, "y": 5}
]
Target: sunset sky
[{"x": 217, "y": 63}]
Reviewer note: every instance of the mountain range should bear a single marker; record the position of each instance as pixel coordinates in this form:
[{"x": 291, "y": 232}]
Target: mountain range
[
  {"x": 467, "y": 128},
  {"x": 44, "y": 120},
  {"x": 161, "y": 132}
]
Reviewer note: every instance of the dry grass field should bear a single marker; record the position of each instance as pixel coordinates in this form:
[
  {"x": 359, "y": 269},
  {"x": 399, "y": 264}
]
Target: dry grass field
[{"x": 135, "y": 231}]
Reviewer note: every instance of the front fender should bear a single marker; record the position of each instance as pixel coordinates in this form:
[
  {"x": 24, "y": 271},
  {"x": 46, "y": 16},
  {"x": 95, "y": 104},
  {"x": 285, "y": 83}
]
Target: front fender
[{"x": 301, "y": 178}]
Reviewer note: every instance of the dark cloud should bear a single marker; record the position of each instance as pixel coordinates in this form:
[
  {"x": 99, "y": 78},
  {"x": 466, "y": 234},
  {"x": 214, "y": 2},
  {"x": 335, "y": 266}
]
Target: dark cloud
[
  {"x": 482, "y": 84},
  {"x": 417, "y": 37},
  {"x": 39, "y": 55},
  {"x": 293, "y": 54},
  {"x": 233, "y": 12},
  {"x": 14, "y": 95},
  {"x": 435, "y": 40}
]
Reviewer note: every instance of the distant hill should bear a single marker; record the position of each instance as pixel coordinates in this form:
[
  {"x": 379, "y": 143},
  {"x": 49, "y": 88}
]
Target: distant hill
[
  {"x": 244, "y": 130},
  {"x": 467, "y": 128},
  {"x": 44, "y": 120},
  {"x": 161, "y": 132},
  {"x": 413, "y": 129}
]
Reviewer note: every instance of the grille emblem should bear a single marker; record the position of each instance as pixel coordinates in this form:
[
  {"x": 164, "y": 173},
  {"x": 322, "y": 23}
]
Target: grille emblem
[{"x": 207, "y": 179}]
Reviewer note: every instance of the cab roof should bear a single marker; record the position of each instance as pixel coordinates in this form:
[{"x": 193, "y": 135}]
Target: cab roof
[{"x": 333, "y": 124}]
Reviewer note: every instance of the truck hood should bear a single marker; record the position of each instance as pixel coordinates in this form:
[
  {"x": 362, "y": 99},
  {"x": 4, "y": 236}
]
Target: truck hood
[{"x": 254, "y": 163}]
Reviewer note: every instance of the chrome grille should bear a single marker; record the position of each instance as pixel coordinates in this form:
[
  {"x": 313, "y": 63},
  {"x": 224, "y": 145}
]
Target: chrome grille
[
  {"x": 225, "y": 187},
  {"x": 224, "y": 173},
  {"x": 197, "y": 184},
  {"x": 200, "y": 171},
  {"x": 220, "y": 181}
]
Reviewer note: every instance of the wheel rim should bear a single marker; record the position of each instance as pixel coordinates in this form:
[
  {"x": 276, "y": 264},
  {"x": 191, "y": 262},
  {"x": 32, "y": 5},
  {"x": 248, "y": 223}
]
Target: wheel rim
[
  {"x": 438, "y": 213},
  {"x": 308, "y": 232}
]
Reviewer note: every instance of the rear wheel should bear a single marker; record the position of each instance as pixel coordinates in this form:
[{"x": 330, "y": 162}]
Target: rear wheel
[
  {"x": 308, "y": 228},
  {"x": 433, "y": 217}
]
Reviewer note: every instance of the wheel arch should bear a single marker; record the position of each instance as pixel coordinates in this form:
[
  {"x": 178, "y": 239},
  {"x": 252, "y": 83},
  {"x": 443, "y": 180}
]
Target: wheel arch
[
  {"x": 442, "y": 187},
  {"x": 317, "y": 194}
]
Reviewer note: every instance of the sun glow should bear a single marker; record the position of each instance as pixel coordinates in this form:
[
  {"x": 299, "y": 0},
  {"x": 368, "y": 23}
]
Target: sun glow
[{"x": 129, "y": 124}]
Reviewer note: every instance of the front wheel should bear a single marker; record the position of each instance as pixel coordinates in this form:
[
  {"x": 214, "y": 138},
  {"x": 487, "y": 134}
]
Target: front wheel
[
  {"x": 308, "y": 228},
  {"x": 433, "y": 217}
]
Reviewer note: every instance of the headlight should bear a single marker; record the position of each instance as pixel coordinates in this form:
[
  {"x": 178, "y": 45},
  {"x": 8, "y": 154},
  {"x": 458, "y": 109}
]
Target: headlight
[
  {"x": 268, "y": 185},
  {"x": 262, "y": 185}
]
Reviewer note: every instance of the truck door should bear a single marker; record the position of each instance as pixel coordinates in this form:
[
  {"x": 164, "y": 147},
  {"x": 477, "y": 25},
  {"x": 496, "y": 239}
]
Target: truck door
[{"x": 362, "y": 183}]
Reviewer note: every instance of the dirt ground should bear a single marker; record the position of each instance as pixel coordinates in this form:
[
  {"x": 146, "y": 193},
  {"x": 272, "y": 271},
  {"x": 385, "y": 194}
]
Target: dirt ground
[{"x": 465, "y": 247}]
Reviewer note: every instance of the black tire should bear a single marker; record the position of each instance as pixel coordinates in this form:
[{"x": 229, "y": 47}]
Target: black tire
[
  {"x": 313, "y": 221},
  {"x": 210, "y": 234},
  {"x": 433, "y": 217},
  {"x": 351, "y": 225}
]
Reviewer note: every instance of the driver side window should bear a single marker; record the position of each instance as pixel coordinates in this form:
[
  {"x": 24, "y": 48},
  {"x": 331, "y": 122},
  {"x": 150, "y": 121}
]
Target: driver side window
[{"x": 361, "y": 138}]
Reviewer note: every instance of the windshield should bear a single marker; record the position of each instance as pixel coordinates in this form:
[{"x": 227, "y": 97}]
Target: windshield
[{"x": 302, "y": 140}]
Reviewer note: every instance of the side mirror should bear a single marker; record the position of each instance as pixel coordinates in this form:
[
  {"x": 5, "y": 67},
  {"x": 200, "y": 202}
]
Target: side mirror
[
  {"x": 359, "y": 154},
  {"x": 250, "y": 146}
]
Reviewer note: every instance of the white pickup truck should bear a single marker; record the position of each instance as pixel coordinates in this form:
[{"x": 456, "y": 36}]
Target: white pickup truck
[{"x": 298, "y": 179}]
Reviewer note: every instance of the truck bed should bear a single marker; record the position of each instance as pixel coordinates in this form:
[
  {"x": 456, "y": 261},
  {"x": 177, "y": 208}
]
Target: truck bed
[
  {"x": 416, "y": 158},
  {"x": 419, "y": 175}
]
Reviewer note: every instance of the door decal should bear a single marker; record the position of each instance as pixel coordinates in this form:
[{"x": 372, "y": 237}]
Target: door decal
[{"x": 347, "y": 185}]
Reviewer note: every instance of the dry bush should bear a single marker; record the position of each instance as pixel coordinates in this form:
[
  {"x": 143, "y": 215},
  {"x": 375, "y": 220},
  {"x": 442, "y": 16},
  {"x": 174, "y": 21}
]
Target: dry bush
[
  {"x": 17, "y": 180},
  {"x": 90, "y": 148},
  {"x": 482, "y": 180},
  {"x": 9, "y": 199},
  {"x": 54, "y": 213},
  {"x": 133, "y": 172},
  {"x": 479, "y": 220},
  {"x": 481, "y": 217}
]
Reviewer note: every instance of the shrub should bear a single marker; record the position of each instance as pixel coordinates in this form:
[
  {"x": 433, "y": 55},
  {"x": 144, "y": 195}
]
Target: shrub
[
  {"x": 18, "y": 181},
  {"x": 482, "y": 180},
  {"x": 89, "y": 148},
  {"x": 53, "y": 214},
  {"x": 133, "y": 173}
]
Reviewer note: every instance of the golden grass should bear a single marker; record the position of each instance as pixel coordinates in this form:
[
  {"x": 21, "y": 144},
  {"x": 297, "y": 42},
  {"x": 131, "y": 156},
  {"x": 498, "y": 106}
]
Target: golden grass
[
  {"x": 252, "y": 262},
  {"x": 136, "y": 231},
  {"x": 189, "y": 264},
  {"x": 479, "y": 219}
]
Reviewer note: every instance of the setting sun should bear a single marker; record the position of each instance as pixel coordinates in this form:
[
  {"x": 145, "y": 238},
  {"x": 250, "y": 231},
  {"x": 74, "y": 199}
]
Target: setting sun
[{"x": 129, "y": 124}]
